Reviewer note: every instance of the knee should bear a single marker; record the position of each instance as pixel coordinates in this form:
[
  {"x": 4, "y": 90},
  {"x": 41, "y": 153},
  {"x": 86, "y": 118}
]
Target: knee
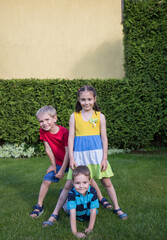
[
  {"x": 46, "y": 183},
  {"x": 68, "y": 185},
  {"x": 106, "y": 182}
]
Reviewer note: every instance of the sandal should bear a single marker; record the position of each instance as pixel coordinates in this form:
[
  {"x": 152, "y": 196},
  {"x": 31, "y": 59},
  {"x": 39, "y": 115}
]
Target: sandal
[
  {"x": 50, "y": 223},
  {"x": 102, "y": 202},
  {"x": 37, "y": 210},
  {"x": 123, "y": 216}
]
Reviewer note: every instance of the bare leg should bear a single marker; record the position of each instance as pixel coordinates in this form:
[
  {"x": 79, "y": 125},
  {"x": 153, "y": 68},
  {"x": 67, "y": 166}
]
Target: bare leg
[
  {"x": 112, "y": 194},
  {"x": 62, "y": 199},
  {"x": 99, "y": 194},
  {"x": 42, "y": 193},
  {"x": 111, "y": 191}
]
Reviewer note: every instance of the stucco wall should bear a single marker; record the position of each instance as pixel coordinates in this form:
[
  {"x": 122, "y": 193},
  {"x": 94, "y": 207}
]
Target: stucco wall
[{"x": 61, "y": 39}]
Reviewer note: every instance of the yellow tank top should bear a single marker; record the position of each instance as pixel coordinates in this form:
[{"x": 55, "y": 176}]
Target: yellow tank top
[{"x": 87, "y": 128}]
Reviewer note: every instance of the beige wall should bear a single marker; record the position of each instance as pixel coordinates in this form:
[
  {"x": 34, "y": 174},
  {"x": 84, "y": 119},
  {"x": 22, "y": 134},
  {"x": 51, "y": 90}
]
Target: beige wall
[{"x": 61, "y": 39}]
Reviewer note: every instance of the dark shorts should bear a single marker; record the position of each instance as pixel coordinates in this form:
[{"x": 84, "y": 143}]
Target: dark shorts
[{"x": 50, "y": 176}]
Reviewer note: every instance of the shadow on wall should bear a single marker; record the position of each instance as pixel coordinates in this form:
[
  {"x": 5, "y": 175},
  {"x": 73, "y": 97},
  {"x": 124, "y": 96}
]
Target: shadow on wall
[
  {"x": 4, "y": 72},
  {"x": 106, "y": 61}
]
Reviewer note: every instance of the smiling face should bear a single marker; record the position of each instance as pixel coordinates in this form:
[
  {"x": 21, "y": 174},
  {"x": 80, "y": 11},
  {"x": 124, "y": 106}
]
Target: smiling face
[
  {"x": 81, "y": 183},
  {"x": 87, "y": 100},
  {"x": 47, "y": 122}
]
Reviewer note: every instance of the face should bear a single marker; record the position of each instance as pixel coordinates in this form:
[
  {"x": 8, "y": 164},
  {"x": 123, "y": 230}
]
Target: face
[
  {"x": 81, "y": 184},
  {"x": 47, "y": 122},
  {"x": 87, "y": 100}
]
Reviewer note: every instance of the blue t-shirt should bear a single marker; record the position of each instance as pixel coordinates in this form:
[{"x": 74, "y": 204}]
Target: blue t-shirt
[{"x": 83, "y": 204}]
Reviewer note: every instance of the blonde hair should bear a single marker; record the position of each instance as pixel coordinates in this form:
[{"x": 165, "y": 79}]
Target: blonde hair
[
  {"x": 81, "y": 170},
  {"x": 46, "y": 109}
]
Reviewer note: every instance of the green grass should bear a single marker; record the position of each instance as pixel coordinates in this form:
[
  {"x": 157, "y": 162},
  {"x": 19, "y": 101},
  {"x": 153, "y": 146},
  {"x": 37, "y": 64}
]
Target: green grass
[{"x": 140, "y": 183}]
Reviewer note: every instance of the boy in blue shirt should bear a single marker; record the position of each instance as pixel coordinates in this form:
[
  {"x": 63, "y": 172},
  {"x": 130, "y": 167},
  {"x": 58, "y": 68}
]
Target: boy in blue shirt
[{"x": 82, "y": 201}]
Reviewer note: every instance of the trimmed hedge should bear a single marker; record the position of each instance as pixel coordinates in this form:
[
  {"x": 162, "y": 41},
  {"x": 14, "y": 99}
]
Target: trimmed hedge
[
  {"x": 145, "y": 34},
  {"x": 131, "y": 109},
  {"x": 145, "y": 52}
]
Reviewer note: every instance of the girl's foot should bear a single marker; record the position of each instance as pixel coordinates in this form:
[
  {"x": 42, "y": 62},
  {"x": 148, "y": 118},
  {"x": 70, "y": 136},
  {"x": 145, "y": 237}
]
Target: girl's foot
[
  {"x": 120, "y": 214},
  {"x": 104, "y": 202}
]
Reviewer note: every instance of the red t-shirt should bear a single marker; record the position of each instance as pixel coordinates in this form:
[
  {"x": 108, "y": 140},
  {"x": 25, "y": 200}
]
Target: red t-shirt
[{"x": 57, "y": 142}]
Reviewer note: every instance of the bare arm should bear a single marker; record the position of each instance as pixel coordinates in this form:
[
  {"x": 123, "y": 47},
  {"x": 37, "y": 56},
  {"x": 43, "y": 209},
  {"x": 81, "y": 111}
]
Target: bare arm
[
  {"x": 91, "y": 221},
  {"x": 104, "y": 141},
  {"x": 51, "y": 157},
  {"x": 74, "y": 224},
  {"x": 71, "y": 141},
  {"x": 60, "y": 173}
]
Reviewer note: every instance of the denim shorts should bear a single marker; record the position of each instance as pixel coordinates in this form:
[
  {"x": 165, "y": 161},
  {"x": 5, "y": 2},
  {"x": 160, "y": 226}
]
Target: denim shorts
[{"x": 50, "y": 176}]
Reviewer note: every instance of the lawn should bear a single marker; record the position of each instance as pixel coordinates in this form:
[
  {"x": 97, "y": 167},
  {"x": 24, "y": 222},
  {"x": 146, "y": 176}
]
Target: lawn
[{"x": 140, "y": 182}]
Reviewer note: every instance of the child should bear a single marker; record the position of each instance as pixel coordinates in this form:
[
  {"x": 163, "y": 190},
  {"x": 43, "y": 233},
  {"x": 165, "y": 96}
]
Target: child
[
  {"x": 63, "y": 196},
  {"x": 88, "y": 144},
  {"x": 82, "y": 200},
  {"x": 55, "y": 138}
]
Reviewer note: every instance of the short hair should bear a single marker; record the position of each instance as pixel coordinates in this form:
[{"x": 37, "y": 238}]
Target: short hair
[
  {"x": 50, "y": 110},
  {"x": 81, "y": 170}
]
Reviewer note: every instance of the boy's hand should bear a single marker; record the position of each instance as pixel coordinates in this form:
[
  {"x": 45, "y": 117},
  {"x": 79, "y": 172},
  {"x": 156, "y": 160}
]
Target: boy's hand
[
  {"x": 88, "y": 230},
  {"x": 80, "y": 235},
  {"x": 60, "y": 174},
  {"x": 51, "y": 168}
]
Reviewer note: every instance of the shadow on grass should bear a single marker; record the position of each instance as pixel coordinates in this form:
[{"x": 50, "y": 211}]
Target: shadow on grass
[{"x": 23, "y": 178}]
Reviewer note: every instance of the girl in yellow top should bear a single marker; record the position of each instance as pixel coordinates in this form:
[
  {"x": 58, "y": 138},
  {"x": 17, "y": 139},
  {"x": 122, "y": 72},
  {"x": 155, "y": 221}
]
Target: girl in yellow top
[{"x": 88, "y": 144}]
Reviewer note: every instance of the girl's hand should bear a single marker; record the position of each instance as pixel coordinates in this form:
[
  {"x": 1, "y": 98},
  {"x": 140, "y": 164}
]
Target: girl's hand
[
  {"x": 60, "y": 174},
  {"x": 103, "y": 165},
  {"x": 80, "y": 235},
  {"x": 51, "y": 168},
  {"x": 72, "y": 164},
  {"x": 88, "y": 230}
]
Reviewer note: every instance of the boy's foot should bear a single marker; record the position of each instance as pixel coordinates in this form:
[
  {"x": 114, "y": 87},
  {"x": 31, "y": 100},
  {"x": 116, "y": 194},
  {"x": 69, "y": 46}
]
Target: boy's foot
[
  {"x": 38, "y": 210},
  {"x": 53, "y": 218},
  {"x": 120, "y": 214},
  {"x": 104, "y": 202}
]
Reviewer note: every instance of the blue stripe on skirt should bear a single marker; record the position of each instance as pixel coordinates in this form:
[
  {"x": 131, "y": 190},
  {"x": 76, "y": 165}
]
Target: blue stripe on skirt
[{"x": 87, "y": 143}]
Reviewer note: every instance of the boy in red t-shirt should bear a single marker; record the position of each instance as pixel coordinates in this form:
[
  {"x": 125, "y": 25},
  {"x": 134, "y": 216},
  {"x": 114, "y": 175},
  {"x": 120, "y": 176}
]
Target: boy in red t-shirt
[{"x": 55, "y": 138}]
